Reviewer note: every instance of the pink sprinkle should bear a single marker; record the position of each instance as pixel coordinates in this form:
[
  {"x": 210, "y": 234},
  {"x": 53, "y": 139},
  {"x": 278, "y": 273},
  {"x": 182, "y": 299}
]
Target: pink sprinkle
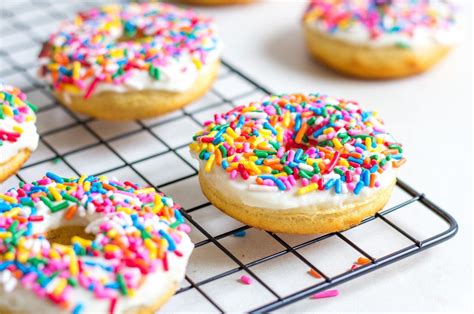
[
  {"x": 233, "y": 174},
  {"x": 246, "y": 280},
  {"x": 325, "y": 294}
]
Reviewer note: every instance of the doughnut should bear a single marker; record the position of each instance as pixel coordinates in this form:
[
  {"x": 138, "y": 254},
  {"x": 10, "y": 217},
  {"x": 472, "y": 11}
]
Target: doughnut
[
  {"x": 89, "y": 245},
  {"x": 297, "y": 163},
  {"x": 18, "y": 136},
  {"x": 380, "y": 39},
  {"x": 131, "y": 62}
]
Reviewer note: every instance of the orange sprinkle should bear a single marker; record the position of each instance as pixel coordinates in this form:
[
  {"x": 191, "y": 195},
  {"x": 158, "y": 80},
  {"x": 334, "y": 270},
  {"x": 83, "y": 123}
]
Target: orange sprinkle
[
  {"x": 301, "y": 133},
  {"x": 259, "y": 180},
  {"x": 70, "y": 212},
  {"x": 20, "y": 219},
  {"x": 314, "y": 273},
  {"x": 363, "y": 260},
  {"x": 108, "y": 187},
  {"x": 269, "y": 162},
  {"x": 372, "y": 180},
  {"x": 218, "y": 154},
  {"x": 397, "y": 164}
]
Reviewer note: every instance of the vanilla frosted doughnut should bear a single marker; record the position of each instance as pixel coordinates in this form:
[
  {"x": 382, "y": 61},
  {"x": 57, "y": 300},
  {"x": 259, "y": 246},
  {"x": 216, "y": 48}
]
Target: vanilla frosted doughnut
[
  {"x": 18, "y": 136},
  {"x": 132, "y": 61},
  {"x": 89, "y": 245},
  {"x": 380, "y": 38},
  {"x": 297, "y": 163}
]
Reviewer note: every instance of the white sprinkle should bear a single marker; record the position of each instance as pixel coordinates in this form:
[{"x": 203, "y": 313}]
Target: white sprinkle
[{"x": 305, "y": 167}]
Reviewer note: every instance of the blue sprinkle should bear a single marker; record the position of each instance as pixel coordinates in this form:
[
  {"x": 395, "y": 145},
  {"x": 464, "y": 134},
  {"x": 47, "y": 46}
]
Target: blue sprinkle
[
  {"x": 356, "y": 160},
  {"x": 329, "y": 184},
  {"x": 374, "y": 168},
  {"x": 54, "y": 177},
  {"x": 358, "y": 187},
  {"x": 240, "y": 234},
  {"x": 171, "y": 244},
  {"x": 78, "y": 309},
  {"x": 279, "y": 184},
  {"x": 338, "y": 186},
  {"x": 267, "y": 125}
]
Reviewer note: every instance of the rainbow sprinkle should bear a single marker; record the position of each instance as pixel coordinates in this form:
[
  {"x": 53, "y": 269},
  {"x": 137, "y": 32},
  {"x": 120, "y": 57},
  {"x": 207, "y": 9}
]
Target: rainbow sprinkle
[
  {"x": 15, "y": 112},
  {"x": 301, "y": 143},
  {"x": 135, "y": 231},
  {"x": 112, "y": 43},
  {"x": 379, "y": 17}
]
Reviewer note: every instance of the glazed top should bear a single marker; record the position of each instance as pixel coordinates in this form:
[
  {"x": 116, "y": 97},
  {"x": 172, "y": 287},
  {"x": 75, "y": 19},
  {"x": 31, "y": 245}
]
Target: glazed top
[
  {"x": 17, "y": 123},
  {"x": 137, "y": 232},
  {"x": 404, "y": 23},
  {"x": 148, "y": 45},
  {"x": 299, "y": 144}
]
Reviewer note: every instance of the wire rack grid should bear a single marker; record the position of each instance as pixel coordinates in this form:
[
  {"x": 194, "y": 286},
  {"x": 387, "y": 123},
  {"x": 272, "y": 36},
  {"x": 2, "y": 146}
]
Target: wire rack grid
[{"x": 154, "y": 152}]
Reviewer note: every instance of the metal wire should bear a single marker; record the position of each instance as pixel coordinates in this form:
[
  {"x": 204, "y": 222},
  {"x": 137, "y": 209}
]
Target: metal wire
[{"x": 417, "y": 246}]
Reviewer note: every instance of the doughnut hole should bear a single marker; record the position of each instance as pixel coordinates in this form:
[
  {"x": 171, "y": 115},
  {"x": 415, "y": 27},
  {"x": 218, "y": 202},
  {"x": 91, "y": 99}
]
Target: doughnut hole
[{"x": 64, "y": 234}]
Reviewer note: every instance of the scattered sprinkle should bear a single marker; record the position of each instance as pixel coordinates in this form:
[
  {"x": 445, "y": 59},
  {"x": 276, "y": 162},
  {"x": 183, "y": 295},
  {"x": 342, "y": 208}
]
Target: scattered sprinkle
[
  {"x": 240, "y": 234},
  {"x": 325, "y": 294},
  {"x": 314, "y": 273},
  {"x": 246, "y": 280},
  {"x": 363, "y": 261}
]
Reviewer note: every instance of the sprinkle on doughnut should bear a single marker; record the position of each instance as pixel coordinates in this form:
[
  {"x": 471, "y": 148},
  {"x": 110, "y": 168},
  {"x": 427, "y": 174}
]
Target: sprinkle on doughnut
[
  {"x": 380, "y": 17},
  {"x": 299, "y": 143},
  {"x": 138, "y": 232},
  {"x": 113, "y": 43}
]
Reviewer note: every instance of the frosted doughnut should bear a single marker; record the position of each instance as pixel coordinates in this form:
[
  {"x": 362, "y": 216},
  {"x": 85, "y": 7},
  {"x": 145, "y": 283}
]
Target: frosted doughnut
[{"x": 297, "y": 163}]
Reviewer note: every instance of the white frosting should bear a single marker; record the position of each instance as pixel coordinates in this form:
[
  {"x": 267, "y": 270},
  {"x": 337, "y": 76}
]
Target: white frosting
[
  {"x": 156, "y": 284},
  {"x": 422, "y": 37},
  {"x": 28, "y": 139},
  {"x": 240, "y": 190}
]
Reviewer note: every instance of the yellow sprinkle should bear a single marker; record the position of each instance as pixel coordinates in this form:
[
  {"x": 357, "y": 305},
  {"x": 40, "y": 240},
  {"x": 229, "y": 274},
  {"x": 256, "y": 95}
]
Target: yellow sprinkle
[
  {"x": 22, "y": 256},
  {"x": 306, "y": 189},
  {"x": 111, "y": 248},
  {"x": 197, "y": 63},
  {"x": 76, "y": 66},
  {"x": 55, "y": 194},
  {"x": 228, "y": 139},
  {"x": 286, "y": 119},
  {"x": 254, "y": 168},
  {"x": 5, "y": 235},
  {"x": 81, "y": 241},
  {"x": 211, "y": 148},
  {"x": 283, "y": 174},
  {"x": 87, "y": 186},
  {"x": 368, "y": 143},
  {"x": 157, "y": 204},
  {"x": 112, "y": 233},
  {"x": 210, "y": 163},
  {"x": 265, "y": 169},
  {"x": 18, "y": 129},
  {"x": 81, "y": 179},
  {"x": 125, "y": 210},
  {"x": 343, "y": 162},
  {"x": 12, "y": 212},
  {"x": 194, "y": 146},
  {"x": 249, "y": 108},
  {"x": 328, "y": 130},
  {"x": 73, "y": 266},
  {"x": 7, "y": 198},
  {"x": 62, "y": 283},
  {"x": 145, "y": 191},
  {"x": 279, "y": 134},
  {"x": 9, "y": 256},
  {"x": 337, "y": 143},
  {"x": 231, "y": 133}
]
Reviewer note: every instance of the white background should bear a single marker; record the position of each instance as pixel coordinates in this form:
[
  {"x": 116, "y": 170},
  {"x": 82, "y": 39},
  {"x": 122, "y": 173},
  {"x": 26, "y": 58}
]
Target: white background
[{"x": 430, "y": 114}]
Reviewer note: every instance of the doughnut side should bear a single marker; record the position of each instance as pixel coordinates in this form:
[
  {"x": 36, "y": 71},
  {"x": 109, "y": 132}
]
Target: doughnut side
[
  {"x": 11, "y": 166},
  {"x": 135, "y": 105},
  {"x": 371, "y": 62},
  {"x": 310, "y": 219}
]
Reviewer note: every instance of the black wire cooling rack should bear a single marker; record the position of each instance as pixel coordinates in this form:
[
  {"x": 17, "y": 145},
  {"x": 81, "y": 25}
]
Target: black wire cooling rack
[{"x": 25, "y": 25}]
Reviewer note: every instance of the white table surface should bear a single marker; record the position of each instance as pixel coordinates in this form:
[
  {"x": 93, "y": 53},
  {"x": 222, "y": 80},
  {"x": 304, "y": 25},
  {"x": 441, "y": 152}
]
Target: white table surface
[{"x": 265, "y": 41}]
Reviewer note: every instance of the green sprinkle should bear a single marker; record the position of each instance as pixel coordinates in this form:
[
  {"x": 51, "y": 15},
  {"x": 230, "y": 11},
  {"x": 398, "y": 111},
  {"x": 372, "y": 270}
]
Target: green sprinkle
[
  {"x": 122, "y": 285},
  {"x": 60, "y": 206},
  {"x": 287, "y": 169}
]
